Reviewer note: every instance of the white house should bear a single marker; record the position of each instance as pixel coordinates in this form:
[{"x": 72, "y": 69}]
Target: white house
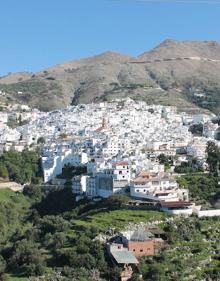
[{"x": 157, "y": 186}]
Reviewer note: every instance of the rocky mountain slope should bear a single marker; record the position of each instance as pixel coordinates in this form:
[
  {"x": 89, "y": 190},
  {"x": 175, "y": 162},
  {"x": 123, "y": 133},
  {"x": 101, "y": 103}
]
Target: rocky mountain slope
[{"x": 181, "y": 73}]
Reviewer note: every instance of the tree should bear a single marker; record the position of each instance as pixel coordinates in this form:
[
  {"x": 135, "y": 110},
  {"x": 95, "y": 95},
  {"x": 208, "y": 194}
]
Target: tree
[
  {"x": 52, "y": 224},
  {"x": 201, "y": 187},
  {"x": 33, "y": 191},
  {"x": 27, "y": 257},
  {"x": 56, "y": 202},
  {"x": 196, "y": 129},
  {"x": 59, "y": 240},
  {"x": 41, "y": 140},
  {"x": 167, "y": 161},
  {"x": 3, "y": 171},
  {"x": 117, "y": 200},
  {"x": 213, "y": 156},
  {"x": 2, "y": 268},
  {"x": 151, "y": 110},
  {"x": 63, "y": 136},
  {"x": 23, "y": 167},
  {"x": 115, "y": 274}
]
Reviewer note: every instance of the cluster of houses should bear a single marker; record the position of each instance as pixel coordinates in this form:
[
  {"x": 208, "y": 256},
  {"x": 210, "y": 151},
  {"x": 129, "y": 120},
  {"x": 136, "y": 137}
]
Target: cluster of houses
[
  {"x": 11, "y": 138},
  {"x": 132, "y": 125},
  {"x": 118, "y": 144}
]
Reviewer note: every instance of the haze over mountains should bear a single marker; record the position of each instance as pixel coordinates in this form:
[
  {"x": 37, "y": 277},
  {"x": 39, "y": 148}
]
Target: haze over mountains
[{"x": 181, "y": 73}]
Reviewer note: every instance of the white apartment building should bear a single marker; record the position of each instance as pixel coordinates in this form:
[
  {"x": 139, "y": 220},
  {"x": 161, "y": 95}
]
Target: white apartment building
[
  {"x": 113, "y": 180},
  {"x": 54, "y": 163}
]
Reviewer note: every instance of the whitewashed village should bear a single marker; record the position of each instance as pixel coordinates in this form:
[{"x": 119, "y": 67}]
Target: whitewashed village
[
  {"x": 110, "y": 140},
  {"x": 117, "y": 146}
]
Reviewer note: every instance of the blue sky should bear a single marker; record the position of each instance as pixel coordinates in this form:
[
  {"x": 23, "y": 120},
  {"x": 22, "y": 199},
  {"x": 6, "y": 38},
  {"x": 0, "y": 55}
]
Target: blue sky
[{"x": 36, "y": 34}]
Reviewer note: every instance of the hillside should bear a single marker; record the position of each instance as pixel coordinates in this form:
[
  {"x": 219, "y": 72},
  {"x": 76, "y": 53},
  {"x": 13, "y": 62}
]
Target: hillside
[
  {"x": 47, "y": 237},
  {"x": 181, "y": 73}
]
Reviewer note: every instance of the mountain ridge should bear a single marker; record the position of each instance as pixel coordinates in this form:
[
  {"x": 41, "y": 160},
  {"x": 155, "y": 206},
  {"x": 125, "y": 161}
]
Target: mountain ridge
[{"x": 181, "y": 73}]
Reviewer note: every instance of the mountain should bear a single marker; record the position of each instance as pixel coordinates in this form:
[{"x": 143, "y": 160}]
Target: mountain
[{"x": 181, "y": 73}]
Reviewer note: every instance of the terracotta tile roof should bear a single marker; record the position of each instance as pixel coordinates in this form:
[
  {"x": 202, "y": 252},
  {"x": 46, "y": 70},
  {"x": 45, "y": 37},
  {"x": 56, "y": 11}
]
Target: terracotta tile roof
[
  {"x": 175, "y": 204},
  {"x": 122, "y": 163}
]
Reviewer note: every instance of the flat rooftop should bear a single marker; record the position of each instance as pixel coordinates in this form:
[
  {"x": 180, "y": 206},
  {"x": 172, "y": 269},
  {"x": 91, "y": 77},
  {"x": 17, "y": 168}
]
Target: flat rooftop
[{"x": 124, "y": 257}]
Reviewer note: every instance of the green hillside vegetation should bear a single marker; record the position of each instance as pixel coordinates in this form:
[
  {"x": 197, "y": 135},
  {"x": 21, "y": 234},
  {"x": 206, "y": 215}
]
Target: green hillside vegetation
[
  {"x": 193, "y": 253},
  {"x": 21, "y": 167},
  {"x": 13, "y": 207},
  {"x": 33, "y": 92},
  {"x": 203, "y": 189},
  {"x": 42, "y": 242},
  {"x": 210, "y": 100},
  {"x": 6, "y": 195}
]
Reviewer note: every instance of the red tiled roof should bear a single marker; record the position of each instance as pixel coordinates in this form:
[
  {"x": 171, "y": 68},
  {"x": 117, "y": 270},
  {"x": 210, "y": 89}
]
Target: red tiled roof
[
  {"x": 175, "y": 204},
  {"x": 122, "y": 163}
]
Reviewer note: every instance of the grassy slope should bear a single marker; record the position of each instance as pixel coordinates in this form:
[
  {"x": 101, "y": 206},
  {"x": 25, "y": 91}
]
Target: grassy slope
[
  {"x": 119, "y": 218},
  {"x": 5, "y": 195}
]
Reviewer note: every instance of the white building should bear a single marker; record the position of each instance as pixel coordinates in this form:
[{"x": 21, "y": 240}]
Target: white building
[
  {"x": 79, "y": 184},
  {"x": 91, "y": 187},
  {"x": 157, "y": 186},
  {"x": 113, "y": 180},
  {"x": 53, "y": 164}
]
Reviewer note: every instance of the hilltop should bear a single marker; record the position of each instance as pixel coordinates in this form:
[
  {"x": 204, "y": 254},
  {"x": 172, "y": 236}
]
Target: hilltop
[{"x": 181, "y": 73}]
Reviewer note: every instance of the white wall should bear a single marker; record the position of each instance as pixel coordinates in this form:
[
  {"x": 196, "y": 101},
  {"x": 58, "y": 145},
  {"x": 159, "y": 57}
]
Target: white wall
[
  {"x": 186, "y": 212},
  {"x": 208, "y": 213}
]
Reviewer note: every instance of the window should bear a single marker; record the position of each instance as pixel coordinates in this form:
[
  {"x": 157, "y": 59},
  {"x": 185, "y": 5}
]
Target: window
[
  {"x": 155, "y": 182},
  {"x": 120, "y": 172},
  {"x": 141, "y": 250},
  {"x": 133, "y": 250}
]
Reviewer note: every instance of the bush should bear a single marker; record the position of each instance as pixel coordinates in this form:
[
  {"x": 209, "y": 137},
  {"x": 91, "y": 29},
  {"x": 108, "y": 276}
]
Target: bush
[
  {"x": 27, "y": 258},
  {"x": 196, "y": 129},
  {"x": 3, "y": 171}
]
